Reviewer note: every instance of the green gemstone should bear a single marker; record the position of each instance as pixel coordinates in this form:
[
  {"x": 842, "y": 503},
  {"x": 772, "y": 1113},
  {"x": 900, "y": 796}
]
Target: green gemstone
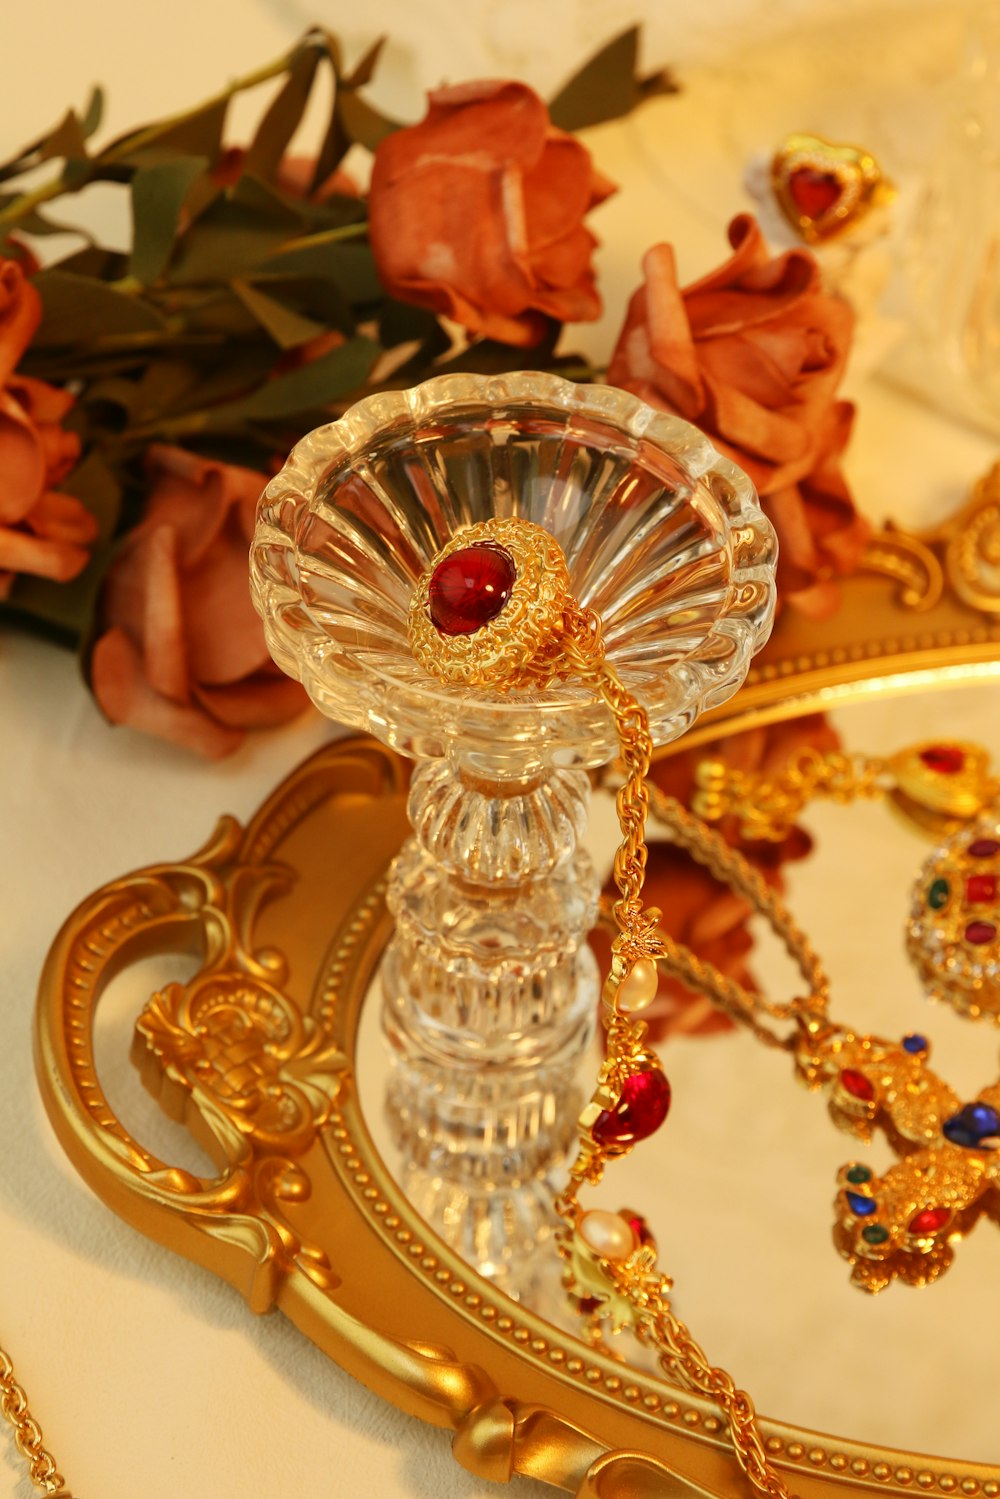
[
  {"x": 874, "y": 1234},
  {"x": 858, "y": 1175},
  {"x": 937, "y": 895}
]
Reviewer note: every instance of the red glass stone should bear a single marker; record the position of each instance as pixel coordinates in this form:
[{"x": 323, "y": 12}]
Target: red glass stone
[
  {"x": 945, "y": 759},
  {"x": 813, "y": 192},
  {"x": 470, "y": 588},
  {"x": 980, "y": 888},
  {"x": 641, "y": 1231},
  {"x": 857, "y": 1085},
  {"x": 928, "y": 1221},
  {"x": 980, "y": 932},
  {"x": 639, "y": 1112},
  {"x": 984, "y": 848}
]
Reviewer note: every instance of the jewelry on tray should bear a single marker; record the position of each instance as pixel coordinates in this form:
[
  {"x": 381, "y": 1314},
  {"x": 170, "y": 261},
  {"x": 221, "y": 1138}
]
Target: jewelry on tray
[
  {"x": 948, "y": 789},
  {"x": 824, "y": 188}
]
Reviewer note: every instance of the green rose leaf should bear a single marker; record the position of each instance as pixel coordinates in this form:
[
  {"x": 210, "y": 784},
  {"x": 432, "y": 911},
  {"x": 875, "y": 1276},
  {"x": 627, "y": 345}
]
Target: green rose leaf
[
  {"x": 282, "y": 117},
  {"x": 234, "y": 234},
  {"x": 308, "y": 389},
  {"x": 361, "y": 121},
  {"x": 608, "y": 86},
  {"x": 287, "y": 327},
  {"x": 69, "y": 139},
  {"x": 158, "y": 194},
  {"x": 77, "y": 309}
]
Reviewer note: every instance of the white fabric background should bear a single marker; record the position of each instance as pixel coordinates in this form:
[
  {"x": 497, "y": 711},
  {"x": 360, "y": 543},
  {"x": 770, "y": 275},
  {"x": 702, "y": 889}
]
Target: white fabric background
[{"x": 147, "y": 1375}]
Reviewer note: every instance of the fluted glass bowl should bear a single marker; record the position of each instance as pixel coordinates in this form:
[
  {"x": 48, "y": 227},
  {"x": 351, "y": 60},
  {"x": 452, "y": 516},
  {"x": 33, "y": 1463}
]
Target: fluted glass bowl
[{"x": 663, "y": 537}]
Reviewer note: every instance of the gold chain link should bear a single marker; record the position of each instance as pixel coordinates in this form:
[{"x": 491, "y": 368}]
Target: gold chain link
[
  {"x": 767, "y": 806},
  {"x": 680, "y": 1355},
  {"x": 28, "y": 1434},
  {"x": 729, "y": 866}
]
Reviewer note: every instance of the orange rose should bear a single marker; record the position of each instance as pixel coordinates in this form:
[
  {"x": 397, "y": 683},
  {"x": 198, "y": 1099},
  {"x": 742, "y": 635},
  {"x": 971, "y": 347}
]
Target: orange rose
[
  {"x": 477, "y": 213},
  {"x": 41, "y": 531},
  {"x": 183, "y": 654},
  {"x": 753, "y": 354}
]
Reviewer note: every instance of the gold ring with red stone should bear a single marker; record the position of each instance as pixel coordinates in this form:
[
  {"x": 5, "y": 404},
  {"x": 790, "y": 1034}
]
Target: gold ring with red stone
[{"x": 824, "y": 188}]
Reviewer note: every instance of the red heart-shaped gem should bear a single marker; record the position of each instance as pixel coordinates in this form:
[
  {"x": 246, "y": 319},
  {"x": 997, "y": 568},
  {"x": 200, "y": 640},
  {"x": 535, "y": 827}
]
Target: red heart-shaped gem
[{"x": 813, "y": 192}]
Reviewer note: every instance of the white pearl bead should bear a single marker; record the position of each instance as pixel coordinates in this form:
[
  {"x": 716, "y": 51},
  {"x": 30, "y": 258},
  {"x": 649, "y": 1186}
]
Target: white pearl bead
[
  {"x": 638, "y": 988},
  {"x": 607, "y": 1234}
]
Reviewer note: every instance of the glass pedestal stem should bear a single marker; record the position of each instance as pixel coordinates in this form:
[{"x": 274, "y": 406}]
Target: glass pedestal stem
[{"x": 489, "y": 999}]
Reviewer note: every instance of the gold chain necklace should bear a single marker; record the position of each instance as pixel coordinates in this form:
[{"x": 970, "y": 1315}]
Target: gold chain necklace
[
  {"x": 537, "y": 634},
  {"x": 28, "y": 1434}
]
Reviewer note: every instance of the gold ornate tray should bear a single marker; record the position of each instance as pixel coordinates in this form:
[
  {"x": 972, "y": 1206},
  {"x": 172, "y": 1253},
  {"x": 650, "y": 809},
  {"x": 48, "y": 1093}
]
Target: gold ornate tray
[
  {"x": 922, "y": 608},
  {"x": 256, "y": 1054}
]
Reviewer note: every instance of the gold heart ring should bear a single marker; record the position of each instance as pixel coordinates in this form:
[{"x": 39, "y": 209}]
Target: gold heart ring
[{"x": 822, "y": 188}]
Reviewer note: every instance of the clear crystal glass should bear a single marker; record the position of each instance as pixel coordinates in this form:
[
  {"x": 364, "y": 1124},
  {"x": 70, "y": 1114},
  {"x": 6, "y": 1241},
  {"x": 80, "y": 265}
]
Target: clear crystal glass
[{"x": 489, "y": 987}]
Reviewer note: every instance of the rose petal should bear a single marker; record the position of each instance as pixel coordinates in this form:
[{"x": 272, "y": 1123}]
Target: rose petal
[
  {"x": 62, "y": 517},
  {"x": 556, "y": 190},
  {"x": 501, "y": 121},
  {"x": 225, "y": 637},
  {"x": 42, "y": 402},
  {"x": 164, "y": 651},
  {"x": 193, "y": 496},
  {"x": 20, "y": 315},
  {"x": 486, "y": 156},
  {"x": 259, "y": 702},
  {"x": 125, "y": 697},
  {"x": 22, "y": 462},
  {"x": 21, "y": 552}
]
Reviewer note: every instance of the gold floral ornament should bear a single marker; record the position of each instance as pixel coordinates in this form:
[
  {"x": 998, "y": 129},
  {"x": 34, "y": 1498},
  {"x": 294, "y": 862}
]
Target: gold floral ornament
[
  {"x": 904, "y": 1224},
  {"x": 495, "y": 608},
  {"x": 824, "y": 188}
]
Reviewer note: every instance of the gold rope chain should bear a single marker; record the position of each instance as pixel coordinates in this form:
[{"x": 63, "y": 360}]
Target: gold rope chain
[
  {"x": 28, "y": 1434},
  {"x": 581, "y": 648}
]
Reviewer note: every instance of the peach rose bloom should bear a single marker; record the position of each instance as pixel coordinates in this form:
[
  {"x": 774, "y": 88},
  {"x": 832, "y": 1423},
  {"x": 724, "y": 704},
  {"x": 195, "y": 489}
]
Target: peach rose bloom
[
  {"x": 182, "y": 656},
  {"x": 698, "y": 910},
  {"x": 753, "y": 354},
  {"x": 42, "y": 531},
  {"x": 477, "y": 213}
]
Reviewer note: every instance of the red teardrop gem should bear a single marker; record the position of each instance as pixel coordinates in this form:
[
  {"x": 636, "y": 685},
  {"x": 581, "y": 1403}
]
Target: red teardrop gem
[
  {"x": 980, "y": 932},
  {"x": 639, "y": 1112},
  {"x": 857, "y": 1085},
  {"x": 945, "y": 759},
  {"x": 813, "y": 192},
  {"x": 980, "y": 888},
  {"x": 928, "y": 1221},
  {"x": 470, "y": 587}
]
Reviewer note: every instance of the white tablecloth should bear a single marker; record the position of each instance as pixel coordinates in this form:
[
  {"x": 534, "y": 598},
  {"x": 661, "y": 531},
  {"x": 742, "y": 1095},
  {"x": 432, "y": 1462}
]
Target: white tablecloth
[{"x": 147, "y": 1375}]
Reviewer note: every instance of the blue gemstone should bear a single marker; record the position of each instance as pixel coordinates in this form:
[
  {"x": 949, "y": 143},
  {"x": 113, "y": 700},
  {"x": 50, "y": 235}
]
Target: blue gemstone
[
  {"x": 915, "y": 1044},
  {"x": 971, "y": 1125},
  {"x": 860, "y": 1206}
]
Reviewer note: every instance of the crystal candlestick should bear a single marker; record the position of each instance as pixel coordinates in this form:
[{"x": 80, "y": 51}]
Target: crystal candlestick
[{"x": 489, "y": 986}]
